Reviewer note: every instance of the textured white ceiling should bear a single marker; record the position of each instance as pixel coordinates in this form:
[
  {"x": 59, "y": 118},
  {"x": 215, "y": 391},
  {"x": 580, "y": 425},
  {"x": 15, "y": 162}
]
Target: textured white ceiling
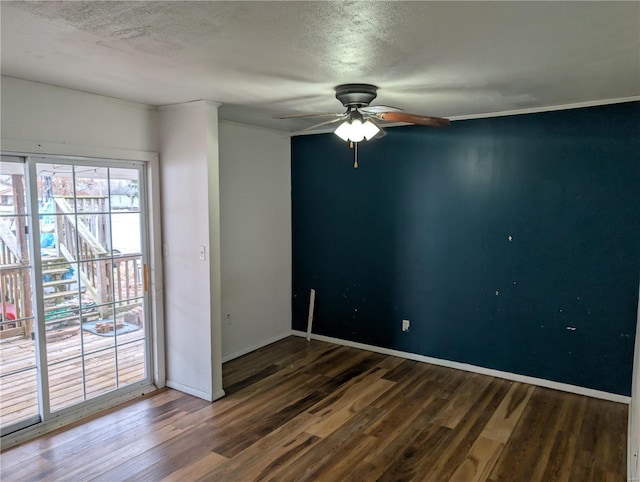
[{"x": 261, "y": 59}]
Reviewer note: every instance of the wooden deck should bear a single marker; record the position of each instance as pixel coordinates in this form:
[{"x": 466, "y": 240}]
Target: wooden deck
[
  {"x": 320, "y": 412},
  {"x": 18, "y": 392}
]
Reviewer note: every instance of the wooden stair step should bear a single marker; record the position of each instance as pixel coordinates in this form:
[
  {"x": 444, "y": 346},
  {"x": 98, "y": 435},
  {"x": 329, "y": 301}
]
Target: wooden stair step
[
  {"x": 58, "y": 295},
  {"x": 59, "y": 282},
  {"x": 54, "y": 271},
  {"x": 86, "y": 306},
  {"x": 53, "y": 259}
]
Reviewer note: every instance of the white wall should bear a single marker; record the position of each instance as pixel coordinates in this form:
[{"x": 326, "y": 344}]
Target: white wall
[
  {"x": 188, "y": 143},
  {"x": 52, "y": 120},
  {"x": 255, "y": 202}
]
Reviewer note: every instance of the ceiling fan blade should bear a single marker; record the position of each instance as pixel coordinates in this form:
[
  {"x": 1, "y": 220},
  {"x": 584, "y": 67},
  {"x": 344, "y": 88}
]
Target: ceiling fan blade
[
  {"x": 330, "y": 121},
  {"x": 376, "y": 109},
  {"x": 323, "y": 114},
  {"x": 413, "y": 119}
]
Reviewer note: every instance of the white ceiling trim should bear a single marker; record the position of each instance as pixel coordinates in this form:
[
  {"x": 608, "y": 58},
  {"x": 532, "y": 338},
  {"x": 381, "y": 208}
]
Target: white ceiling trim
[{"x": 536, "y": 110}]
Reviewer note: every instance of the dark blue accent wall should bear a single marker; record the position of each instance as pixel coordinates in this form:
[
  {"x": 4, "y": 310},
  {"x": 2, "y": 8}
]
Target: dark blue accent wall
[{"x": 510, "y": 243}]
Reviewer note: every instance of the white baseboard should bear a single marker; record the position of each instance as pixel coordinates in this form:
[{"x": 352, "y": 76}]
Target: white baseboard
[
  {"x": 217, "y": 395},
  {"x": 541, "y": 382},
  {"x": 263, "y": 343},
  {"x": 209, "y": 397}
]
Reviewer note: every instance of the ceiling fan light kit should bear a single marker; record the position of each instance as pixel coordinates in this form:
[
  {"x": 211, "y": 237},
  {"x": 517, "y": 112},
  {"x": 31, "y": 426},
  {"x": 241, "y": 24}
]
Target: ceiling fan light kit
[{"x": 356, "y": 130}]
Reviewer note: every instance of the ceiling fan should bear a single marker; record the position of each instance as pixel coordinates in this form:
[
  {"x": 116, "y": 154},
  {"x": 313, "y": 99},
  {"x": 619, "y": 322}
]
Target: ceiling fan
[
  {"x": 361, "y": 121},
  {"x": 356, "y": 98}
]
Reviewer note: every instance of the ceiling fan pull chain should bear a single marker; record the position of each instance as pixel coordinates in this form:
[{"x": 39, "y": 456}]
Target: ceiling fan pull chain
[{"x": 355, "y": 154}]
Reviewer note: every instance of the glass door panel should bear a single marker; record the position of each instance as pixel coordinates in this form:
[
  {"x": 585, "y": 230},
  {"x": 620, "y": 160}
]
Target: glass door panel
[
  {"x": 128, "y": 276},
  {"x": 94, "y": 295},
  {"x": 66, "y": 385},
  {"x": 18, "y": 367}
]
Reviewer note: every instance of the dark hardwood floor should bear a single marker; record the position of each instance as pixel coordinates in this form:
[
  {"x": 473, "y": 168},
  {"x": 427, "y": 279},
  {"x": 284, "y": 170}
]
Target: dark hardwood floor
[{"x": 316, "y": 411}]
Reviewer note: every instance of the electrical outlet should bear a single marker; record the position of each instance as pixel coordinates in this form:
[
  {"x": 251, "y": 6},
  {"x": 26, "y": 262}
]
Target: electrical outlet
[{"x": 405, "y": 325}]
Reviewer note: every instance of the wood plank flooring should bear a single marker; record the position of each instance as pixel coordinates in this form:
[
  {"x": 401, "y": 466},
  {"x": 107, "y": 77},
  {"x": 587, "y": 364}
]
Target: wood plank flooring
[{"x": 316, "y": 411}]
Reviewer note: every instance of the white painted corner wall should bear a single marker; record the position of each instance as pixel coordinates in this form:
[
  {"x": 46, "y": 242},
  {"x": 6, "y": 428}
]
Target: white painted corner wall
[
  {"x": 214, "y": 254},
  {"x": 189, "y": 151},
  {"x": 255, "y": 203},
  {"x": 225, "y": 188}
]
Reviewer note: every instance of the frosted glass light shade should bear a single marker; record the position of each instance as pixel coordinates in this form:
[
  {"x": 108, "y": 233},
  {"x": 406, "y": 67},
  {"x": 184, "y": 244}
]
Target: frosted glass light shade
[
  {"x": 343, "y": 131},
  {"x": 370, "y": 129},
  {"x": 356, "y": 131}
]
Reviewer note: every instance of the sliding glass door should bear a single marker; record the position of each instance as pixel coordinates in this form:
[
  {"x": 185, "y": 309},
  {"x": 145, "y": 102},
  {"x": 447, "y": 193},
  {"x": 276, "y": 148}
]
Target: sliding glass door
[{"x": 89, "y": 295}]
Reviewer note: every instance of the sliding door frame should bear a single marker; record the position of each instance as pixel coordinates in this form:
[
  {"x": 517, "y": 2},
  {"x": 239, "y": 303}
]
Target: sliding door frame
[
  {"x": 35, "y": 271},
  {"x": 148, "y": 166}
]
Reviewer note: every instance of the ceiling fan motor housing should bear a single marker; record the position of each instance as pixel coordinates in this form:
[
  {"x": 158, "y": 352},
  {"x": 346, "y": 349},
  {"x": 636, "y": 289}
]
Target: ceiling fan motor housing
[{"x": 356, "y": 95}]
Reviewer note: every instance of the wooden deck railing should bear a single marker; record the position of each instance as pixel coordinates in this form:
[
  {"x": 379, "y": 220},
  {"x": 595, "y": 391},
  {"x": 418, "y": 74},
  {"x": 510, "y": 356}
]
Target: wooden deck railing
[
  {"x": 11, "y": 281},
  {"x": 128, "y": 276},
  {"x": 15, "y": 285},
  {"x": 16, "y": 321}
]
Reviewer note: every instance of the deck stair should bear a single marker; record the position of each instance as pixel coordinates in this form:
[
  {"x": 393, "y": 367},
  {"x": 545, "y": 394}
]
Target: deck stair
[{"x": 63, "y": 296}]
